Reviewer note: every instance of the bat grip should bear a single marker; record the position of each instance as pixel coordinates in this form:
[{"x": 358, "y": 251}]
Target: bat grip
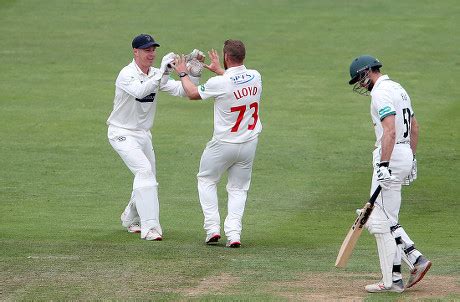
[{"x": 375, "y": 195}]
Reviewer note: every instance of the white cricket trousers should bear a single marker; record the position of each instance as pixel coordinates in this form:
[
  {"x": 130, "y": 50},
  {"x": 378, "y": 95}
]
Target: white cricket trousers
[
  {"x": 388, "y": 204},
  {"x": 389, "y": 200},
  {"x": 217, "y": 158},
  {"x": 136, "y": 151}
]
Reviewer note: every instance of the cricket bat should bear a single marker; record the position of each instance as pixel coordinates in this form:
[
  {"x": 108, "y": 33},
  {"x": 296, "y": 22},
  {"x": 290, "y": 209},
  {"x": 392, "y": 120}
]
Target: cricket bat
[{"x": 355, "y": 231}]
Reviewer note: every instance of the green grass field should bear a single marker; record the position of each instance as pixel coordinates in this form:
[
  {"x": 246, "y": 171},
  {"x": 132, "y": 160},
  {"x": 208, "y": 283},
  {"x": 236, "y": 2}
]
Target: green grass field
[{"x": 63, "y": 188}]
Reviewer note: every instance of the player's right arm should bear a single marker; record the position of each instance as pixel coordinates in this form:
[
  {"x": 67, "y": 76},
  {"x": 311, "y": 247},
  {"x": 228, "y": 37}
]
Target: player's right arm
[
  {"x": 211, "y": 89},
  {"x": 382, "y": 101},
  {"x": 388, "y": 138},
  {"x": 387, "y": 115},
  {"x": 189, "y": 87}
]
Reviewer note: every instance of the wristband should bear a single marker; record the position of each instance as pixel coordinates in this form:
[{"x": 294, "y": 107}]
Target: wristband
[{"x": 384, "y": 164}]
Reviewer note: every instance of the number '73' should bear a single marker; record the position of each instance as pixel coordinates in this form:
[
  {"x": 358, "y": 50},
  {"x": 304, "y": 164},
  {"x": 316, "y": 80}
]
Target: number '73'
[{"x": 241, "y": 111}]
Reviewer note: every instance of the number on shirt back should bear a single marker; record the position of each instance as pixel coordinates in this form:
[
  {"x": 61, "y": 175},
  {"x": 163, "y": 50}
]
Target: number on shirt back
[
  {"x": 241, "y": 111},
  {"x": 406, "y": 116}
]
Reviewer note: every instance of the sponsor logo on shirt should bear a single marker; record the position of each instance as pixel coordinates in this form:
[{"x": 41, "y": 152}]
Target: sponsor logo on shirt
[
  {"x": 148, "y": 99},
  {"x": 242, "y": 78}
]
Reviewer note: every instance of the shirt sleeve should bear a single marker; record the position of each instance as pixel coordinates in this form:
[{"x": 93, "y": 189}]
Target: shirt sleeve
[
  {"x": 174, "y": 87},
  {"x": 134, "y": 86},
  {"x": 383, "y": 104},
  {"x": 214, "y": 87}
]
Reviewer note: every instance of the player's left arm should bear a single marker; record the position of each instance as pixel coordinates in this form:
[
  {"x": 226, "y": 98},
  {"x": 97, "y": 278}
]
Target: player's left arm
[
  {"x": 214, "y": 66},
  {"x": 414, "y": 129}
]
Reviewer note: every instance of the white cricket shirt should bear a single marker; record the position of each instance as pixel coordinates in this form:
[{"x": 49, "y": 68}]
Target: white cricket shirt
[
  {"x": 390, "y": 98},
  {"x": 237, "y": 95},
  {"x": 135, "y": 102}
]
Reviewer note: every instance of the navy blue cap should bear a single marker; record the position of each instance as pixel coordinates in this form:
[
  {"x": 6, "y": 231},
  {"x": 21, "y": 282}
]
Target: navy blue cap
[{"x": 144, "y": 41}]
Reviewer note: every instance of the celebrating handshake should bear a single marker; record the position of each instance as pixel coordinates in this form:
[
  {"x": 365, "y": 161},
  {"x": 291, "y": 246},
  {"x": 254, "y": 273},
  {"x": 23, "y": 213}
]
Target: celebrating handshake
[
  {"x": 191, "y": 64},
  {"x": 194, "y": 62}
]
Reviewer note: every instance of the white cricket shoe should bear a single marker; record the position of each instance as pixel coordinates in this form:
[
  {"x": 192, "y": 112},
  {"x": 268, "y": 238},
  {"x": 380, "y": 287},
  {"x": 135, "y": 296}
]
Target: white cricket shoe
[
  {"x": 129, "y": 215},
  {"x": 212, "y": 238},
  {"x": 421, "y": 266},
  {"x": 396, "y": 287},
  {"x": 134, "y": 228},
  {"x": 153, "y": 235}
]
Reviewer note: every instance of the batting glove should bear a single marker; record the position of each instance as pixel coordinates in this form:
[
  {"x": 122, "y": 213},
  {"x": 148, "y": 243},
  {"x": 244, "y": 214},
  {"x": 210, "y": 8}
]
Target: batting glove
[
  {"x": 413, "y": 173},
  {"x": 384, "y": 176}
]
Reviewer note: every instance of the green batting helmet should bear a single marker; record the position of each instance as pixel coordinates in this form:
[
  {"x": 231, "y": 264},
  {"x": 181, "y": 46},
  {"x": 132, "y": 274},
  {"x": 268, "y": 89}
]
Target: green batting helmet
[{"x": 361, "y": 64}]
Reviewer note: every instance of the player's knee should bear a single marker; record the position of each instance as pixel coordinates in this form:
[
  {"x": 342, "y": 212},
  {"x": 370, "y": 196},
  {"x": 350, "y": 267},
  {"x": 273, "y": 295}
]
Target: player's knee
[
  {"x": 206, "y": 181},
  {"x": 237, "y": 188},
  {"x": 144, "y": 178}
]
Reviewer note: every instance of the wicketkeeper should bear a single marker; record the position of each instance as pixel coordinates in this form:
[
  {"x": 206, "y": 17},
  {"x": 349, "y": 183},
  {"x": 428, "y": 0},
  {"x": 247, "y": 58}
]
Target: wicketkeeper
[{"x": 129, "y": 124}]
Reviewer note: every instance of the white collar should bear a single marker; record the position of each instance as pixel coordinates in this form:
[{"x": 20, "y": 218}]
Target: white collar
[
  {"x": 235, "y": 69},
  {"x": 139, "y": 71},
  {"x": 380, "y": 80}
]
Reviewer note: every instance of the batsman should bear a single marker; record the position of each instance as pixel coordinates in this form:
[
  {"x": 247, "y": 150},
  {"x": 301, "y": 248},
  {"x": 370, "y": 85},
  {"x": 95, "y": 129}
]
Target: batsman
[{"x": 394, "y": 163}]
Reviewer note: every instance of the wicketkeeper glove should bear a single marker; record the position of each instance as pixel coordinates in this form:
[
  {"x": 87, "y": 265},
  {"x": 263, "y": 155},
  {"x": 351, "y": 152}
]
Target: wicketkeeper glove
[
  {"x": 194, "y": 62},
  {"x": 194, "y": 68},
  {"x": 384, "y": 176},
  {"x": 195, "y": 55},
  {"x": 167, "y": 60}
]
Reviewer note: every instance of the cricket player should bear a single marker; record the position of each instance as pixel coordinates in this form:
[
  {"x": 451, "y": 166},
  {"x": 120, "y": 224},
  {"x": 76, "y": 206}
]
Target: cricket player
[
  {"x": 396, "y": 131},
  {"x": 129, "y": 124},
  {"x": 237, "y": 93}
]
